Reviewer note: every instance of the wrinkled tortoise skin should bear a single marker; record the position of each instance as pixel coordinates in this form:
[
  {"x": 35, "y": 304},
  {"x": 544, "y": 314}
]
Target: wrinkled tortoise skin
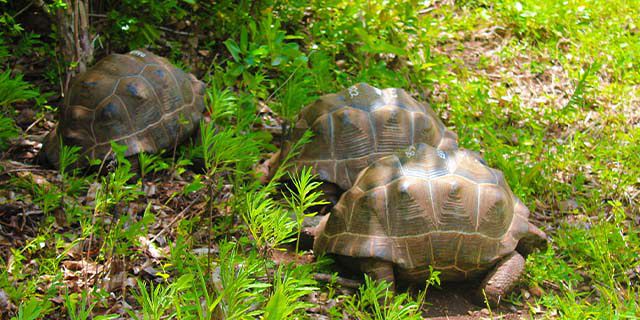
[
  {"x": 137, "y": 99},
  {"x": 361, "y": 124},
  {"x": 427, "y": 207}
]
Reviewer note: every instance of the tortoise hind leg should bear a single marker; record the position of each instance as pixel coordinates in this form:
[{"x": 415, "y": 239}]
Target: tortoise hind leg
[
  {"x": 502, "y": 279},
  {"x": 379, "y": 270}
]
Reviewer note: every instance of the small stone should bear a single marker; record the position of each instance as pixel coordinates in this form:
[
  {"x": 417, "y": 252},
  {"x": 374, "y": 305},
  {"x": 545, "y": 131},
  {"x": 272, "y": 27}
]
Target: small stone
[
  {"x": 585, "y": 288},
  {"x": 536, "y": 291},
  {"x": 4, "y": 300},
  {"x": 26, "y": 117},
  {"x": 568, "y": 205},
  {"x": 150, "y": 189}
]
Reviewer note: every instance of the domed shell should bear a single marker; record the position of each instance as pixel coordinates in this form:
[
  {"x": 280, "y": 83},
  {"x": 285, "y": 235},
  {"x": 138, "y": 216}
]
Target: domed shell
[
  {"x": 427, "y": 207},
  {"x": 137, "y": 99},
  {"x": 362, "y": 124}
]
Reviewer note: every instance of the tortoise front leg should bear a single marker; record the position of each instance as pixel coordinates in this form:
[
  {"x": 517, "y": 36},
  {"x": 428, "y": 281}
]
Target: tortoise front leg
[
  {"x": 379, "y": 270},
  {"x": 502, "y": 279}
]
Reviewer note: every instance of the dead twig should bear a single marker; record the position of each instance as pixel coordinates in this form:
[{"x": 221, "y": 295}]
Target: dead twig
[
  {"x": 21, "y": 11},
  {"x": 329, "y": 278},
  {"x": 175, "y": 219},
  {"x": 34, "y": 124},
  {"x": 182, "y": 33}
]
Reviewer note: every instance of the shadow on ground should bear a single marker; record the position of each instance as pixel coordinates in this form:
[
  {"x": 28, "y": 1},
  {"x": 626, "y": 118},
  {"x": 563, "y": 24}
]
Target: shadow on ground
[{"x": 454, "y": 301}]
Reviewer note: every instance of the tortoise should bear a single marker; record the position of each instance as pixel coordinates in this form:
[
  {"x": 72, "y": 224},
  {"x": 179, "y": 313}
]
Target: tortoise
[
  {"x": 137, "y": 99},
  {"x": 431, "y": 208},
  {"x": 359, "y": 125}
]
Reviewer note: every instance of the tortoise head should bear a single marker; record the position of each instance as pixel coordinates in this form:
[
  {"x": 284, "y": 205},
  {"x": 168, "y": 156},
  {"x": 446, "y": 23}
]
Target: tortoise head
[
  {"x": 532, "y": 238},
  {"x": 311, "y": 227},
  {"x": 199, "y": 87},
  {"x": 50, "y": 153},
  {"x": 316, "y": 224},
  {"x": 521, "y": 209},
  {"x": 76, "y": 132}
]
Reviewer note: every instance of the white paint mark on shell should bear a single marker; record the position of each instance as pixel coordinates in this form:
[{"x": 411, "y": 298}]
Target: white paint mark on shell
[
  {"x": 353, "y": 91},
  {"x": 138, "y": 53},
  {"x": 390, "y": 95},
  {"x": 411, "y": 151}
]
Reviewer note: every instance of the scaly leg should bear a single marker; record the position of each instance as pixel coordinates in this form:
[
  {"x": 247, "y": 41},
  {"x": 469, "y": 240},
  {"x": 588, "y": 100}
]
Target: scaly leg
[
  {"x": 502, "y": 279},
  {"x": 379, "y": 270}
]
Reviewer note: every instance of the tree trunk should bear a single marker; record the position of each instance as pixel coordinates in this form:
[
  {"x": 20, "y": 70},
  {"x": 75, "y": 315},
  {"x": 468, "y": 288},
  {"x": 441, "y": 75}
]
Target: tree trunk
[{"x": 76, "y": 44}]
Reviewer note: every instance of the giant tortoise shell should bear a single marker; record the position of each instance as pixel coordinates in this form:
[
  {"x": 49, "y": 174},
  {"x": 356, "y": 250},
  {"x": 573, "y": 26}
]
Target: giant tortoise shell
[
  {"x": 430, "y": 208},
  {"x": 361, "y": 124},
  {"x": 137, "y": 99}
]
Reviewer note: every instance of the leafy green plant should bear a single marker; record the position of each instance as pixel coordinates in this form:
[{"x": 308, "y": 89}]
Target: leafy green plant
[
  {"x": 321, "y": 74},
  {"x": 231, "y": 291},
  {"x": 237, "y": 285},
  {"x": 32, "y": 309},
  {"x": 228, "y": 152},
  {"x": 605, "y": 252},
  {"x": 222, "y": 104},
  {"x": 80, "y": 307},
  {"x": 262, "y": 42},
  {"x": 68, "y": 156},
  {"x": 194, "y": 185},
  {"x": 303, "y": 196},
  {"x": 8, "y": 130},
  {"x": 268, "y": 223},
  {"x": 577, "y": 99},
  {"x": 199, "y": 302},
  {"x": 293, "y": 95},
  {"x": 14, "y": 89},
  {"x": 46, "y": 195},
  {"x": 135, "y": 24},
  {"x": 4, "y": 51},
  {"x": 375, "y": 300},
  {"x": 151, "y": 163},
  {"x": 225, "y": 150},
  {"x": 125, "y": 231},
  {"x": 156, "y": 300},
  {"x": 17, "y": 285},
  {"x": 116, "y": 188},
  {"x": 290, "y": 284}
]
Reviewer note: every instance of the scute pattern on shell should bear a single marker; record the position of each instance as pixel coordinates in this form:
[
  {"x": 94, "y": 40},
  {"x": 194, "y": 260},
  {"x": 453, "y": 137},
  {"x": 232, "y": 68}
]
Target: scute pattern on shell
[
  {"x": 427, "y": 207},
  {"x": 361, "y": 124},
  {"x": 137, "y": 99}
]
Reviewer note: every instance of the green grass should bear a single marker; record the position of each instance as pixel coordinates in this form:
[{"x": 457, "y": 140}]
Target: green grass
[
  {"x": 12, "y": 90},
  {"x": 547, "y": 91},
  {"x": 581, "y": 148}
]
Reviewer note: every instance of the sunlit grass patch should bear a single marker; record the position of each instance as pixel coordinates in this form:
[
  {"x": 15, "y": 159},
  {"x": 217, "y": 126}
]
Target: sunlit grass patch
[{"x": 597, "y": 273}]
